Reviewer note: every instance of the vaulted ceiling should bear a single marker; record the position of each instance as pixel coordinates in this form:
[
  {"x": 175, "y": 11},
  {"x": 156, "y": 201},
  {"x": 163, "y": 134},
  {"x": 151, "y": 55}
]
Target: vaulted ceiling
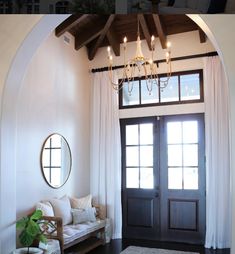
[{"x": 95, "y": 31}]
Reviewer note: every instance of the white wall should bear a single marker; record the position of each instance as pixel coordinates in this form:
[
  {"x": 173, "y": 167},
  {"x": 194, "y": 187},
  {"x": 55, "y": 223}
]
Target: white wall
[
  {"x": 182, "y": 45},
  {"x": 54, "y": 98},
  {"x": 10, "y": 44}
]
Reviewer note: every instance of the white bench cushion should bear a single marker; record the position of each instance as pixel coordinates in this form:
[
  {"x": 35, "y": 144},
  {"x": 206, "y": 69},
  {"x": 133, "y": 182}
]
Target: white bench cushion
[{"x": 73, "y": 232}]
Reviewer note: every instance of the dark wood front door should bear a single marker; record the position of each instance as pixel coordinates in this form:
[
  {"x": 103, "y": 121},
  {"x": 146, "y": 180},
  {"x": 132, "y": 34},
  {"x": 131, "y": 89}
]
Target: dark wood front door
[
  {"x": 140, "y": 179},
  {"x": 163, "y": 178}
]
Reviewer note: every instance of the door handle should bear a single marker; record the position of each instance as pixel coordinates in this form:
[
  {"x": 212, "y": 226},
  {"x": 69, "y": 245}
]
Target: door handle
[{"x": 157, "y": 191}]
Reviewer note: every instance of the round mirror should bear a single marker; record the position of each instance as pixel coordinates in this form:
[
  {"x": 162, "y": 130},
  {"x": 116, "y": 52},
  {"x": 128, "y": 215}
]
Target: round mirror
[{"x": 56, "y": 160}]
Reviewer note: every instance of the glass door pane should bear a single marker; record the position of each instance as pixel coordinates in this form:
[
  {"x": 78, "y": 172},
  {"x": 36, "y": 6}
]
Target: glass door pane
[
  {"x": 182, "y": 154},
  {"x": 139, "y": 156}
]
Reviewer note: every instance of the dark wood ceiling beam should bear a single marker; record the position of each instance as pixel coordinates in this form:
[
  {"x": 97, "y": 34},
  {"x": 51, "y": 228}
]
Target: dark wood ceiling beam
[
  {"x": 89, "y": 35},
  {"x": 145, "y": 29},
  {"x": 114, "y": 42},
  {"x": 92, "y": 50},
  {"x": 69, "y": 23},
  {"x": 202, "y": 35},
  {"x": 160, "y": 30}
]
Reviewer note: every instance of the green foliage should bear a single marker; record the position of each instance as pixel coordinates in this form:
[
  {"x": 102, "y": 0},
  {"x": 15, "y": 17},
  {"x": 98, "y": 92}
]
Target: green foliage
[
  {"x": 30, "y": 229},
  {"x": 94, "y": 6}
]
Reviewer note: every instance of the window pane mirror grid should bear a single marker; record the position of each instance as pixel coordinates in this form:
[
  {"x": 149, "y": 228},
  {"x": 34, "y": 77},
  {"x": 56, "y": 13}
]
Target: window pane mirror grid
[
  {"x": 139, "y": 156},
  {"x": 182, "y": 152},
  {"x": 56, "y": 158},
  {"x": 55, "y": 176},
  {"x": 56, "y": 141},
  {"x": 183, "y": 87}
]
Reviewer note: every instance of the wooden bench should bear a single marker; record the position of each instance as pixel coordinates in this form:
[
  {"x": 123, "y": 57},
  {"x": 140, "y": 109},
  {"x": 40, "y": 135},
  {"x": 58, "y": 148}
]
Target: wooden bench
[{"x": 54, "y": 230}]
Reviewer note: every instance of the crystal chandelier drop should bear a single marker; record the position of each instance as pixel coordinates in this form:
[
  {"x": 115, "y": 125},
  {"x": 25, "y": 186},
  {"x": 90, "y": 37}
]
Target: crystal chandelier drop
[{"x": 140, "y": 66}]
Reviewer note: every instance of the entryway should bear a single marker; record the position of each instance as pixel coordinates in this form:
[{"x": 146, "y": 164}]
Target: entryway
[{"x": 163, "y": 178}]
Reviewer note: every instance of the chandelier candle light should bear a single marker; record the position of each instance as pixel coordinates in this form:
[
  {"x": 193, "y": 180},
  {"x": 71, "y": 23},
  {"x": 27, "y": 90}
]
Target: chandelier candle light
[{"x": 140, "y": 64}]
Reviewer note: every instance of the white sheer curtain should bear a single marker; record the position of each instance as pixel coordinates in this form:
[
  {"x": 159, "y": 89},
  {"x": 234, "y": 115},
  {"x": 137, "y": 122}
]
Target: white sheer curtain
[
  {"x": 217, "y": 119},
  {"x": 106, "y": 150}
]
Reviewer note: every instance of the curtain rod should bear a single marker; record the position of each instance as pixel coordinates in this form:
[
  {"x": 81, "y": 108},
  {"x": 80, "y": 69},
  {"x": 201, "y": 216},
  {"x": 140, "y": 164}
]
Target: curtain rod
[{"x": 214, "y": 53}]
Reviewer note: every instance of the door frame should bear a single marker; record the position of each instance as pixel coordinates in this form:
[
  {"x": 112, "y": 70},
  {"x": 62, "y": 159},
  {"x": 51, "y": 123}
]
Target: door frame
[
  {"x": 159, "y": 136},
  {"x": 185, "y": 196},
  {"x": 146, "y": 193}
]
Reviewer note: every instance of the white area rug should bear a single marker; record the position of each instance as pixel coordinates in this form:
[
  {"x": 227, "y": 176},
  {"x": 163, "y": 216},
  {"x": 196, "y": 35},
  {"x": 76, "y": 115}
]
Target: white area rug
[{"x": 142, "y": 250}]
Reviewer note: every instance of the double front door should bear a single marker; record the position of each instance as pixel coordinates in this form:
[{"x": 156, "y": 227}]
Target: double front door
[{"x": 163, "y": 178}]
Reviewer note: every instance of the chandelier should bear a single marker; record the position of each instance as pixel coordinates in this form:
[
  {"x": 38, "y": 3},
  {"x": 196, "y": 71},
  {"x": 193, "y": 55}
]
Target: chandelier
[{"x": 140, "y": 66}]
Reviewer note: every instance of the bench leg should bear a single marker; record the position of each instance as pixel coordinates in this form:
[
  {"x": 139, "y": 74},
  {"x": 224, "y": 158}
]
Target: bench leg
[
  {"x": 61, "y": 248},
  {"x": 103, "y": 236}
]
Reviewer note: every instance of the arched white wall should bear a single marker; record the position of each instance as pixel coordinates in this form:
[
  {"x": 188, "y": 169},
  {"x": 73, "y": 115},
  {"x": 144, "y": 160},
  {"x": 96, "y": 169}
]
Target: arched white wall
[
  {"x": 214, "y": 26},
  {"x": 217, "y": 29},
  {"x": 27, "y": 46}
]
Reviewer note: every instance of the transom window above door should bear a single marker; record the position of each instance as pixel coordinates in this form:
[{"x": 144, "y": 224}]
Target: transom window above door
[{"x": 183, "y": 87}]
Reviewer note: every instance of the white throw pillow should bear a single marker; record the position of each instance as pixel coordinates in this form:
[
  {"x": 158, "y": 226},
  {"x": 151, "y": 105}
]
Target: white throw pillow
[
  {"x": 83, "y": 215},
  {"x": 192, "y": 4},
  {"x": 203, "y": 6},
  {"x": 46, "y": 208},
  {"x": 62, "y": 208},
  {"x": 81, "y": 203},
  {"x": 179, "y": 4}
]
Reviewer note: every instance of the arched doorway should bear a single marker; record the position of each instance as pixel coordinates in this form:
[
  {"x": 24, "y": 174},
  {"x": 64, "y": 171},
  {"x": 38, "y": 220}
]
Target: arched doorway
[{"x": 211, "y": 26}]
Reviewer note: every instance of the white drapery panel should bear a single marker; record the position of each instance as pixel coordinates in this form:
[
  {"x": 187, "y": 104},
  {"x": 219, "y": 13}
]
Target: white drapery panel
[
  {"x": 106, "y": 150},
  {"x": 217, "y": 120}
]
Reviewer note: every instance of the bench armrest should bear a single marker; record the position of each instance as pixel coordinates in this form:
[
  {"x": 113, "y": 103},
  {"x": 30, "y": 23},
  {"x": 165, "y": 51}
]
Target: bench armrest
[{"x": 52, "y": 228}]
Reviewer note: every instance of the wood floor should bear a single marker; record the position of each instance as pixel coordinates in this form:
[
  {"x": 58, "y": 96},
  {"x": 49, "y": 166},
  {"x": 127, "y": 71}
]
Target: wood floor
[{"x": 116, "y": 246}]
